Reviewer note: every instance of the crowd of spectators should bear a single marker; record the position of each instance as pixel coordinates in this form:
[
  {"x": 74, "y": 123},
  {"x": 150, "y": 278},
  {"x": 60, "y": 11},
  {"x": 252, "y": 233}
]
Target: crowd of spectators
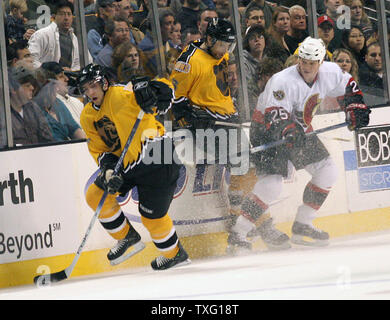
[{"x": 43, "y": 63}]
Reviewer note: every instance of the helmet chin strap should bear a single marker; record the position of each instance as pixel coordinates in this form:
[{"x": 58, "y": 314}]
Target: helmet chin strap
[{"x": 213, "y": 41}]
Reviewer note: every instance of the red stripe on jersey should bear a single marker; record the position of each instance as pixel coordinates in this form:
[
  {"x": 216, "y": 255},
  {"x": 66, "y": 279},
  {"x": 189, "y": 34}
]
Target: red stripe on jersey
[{"x": 258, "y": 116}]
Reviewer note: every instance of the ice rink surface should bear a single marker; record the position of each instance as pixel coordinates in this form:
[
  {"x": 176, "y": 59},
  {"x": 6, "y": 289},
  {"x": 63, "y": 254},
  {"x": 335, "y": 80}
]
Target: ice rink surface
[{"x": 354, "y": 268}]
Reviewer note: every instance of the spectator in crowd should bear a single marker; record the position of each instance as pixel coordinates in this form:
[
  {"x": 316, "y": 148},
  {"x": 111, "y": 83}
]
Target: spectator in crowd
[
  {"x": 126, "y": 61},
  {"x": 254, "y": 46},
  {"x": 18, "y": 52},
  {"x": 176, "y": 36},
  {"x": 61, "y": 122},
  {"x": 232, "y": 79},
  {"x": 280, "y": 25},
  {"x": 298, "y": 31},
  {"x": 257, "y": 45},
  {"x": 176, "y": 5},
  {"x": 371, "y": 72},
  {"x": 267, "y": 10},
  {"x": 53, "y": 71},
  {"x": 14, "y": 21},
  {"x": 204, "y": 18},
  {"x": 326, "y": 30},
  {"x": 117, "y": 31},
  {"x": 189, "y": 35},
  {"x": 354, "y": 41},
  {"x": 223, "y": 8},
  {"x": 359, "y": 17},
  {"x": 332, "y": 8},
  {"x": 347, "y": 62},
  {"x": 188, "y": 15},
  {"x": 95, "y": 37},
  {"x": 29, "y": 125},
  {"x": 57, "y": 42},
  {"x": 254, "y": 15},
  {"x": 89, "y": 7},
  {"x": 147, "y": 46},
  {"x": 126, "y": 12}
]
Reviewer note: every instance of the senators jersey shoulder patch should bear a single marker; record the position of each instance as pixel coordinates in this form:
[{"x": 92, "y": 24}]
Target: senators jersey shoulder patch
[
  {"x": 182, "y": 66},
  {"x": 279, "y": 95}
]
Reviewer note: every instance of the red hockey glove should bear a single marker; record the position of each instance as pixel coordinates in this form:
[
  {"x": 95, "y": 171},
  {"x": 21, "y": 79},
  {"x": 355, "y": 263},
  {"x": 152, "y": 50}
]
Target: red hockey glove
[{"x": 357, "y": 115}]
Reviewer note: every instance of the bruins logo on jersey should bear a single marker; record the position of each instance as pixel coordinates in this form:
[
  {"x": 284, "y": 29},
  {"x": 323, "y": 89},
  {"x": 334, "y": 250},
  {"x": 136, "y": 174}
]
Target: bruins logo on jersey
[
  {"x": 107, "y": 131},
  {"x": 221, "y": 73}
]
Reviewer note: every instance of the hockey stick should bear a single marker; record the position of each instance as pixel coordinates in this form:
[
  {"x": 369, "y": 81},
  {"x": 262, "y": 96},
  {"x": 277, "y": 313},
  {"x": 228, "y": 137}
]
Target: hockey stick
[
  {"x": 282, "y": 141},
  {"x": 46, "y": 279}
]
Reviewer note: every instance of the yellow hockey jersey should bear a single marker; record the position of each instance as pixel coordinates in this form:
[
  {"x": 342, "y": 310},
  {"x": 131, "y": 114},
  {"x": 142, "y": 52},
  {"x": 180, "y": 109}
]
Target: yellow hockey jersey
[
  {"x": 202, "y": 79},
  {"x": 107, "y": 127}
]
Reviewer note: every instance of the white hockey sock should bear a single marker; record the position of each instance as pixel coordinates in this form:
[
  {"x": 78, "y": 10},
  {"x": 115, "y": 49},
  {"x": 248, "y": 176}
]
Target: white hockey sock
[
  {"x": 305, "y": 214},
  {"x": 243, "y": 226}
]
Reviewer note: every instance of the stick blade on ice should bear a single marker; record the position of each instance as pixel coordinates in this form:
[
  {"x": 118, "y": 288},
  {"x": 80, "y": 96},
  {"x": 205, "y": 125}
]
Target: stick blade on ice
[{"x": 47, "y": 279}]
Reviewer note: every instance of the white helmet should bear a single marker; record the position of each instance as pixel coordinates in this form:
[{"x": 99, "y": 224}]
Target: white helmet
[{"x": 312, "y": 49}]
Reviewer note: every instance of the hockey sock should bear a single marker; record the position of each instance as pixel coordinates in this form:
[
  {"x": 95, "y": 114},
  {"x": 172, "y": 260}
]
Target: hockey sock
[
  {"x": 239, "y": 187},
  {"x": 163, "y": 234},
  {"x": 111, "y": 216},
  {"x": 252, "y": 208},
  {"x": 313, "y": 198}
]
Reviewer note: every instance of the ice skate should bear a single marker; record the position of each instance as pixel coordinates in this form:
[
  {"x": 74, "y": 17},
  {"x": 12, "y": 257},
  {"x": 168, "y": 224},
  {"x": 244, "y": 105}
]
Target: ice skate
[
  {"x": 126, "y": 248},
  {"x": 272, "y": 237},
  {"x": 317, "y": 237},
  {"x": 237, "y": 243},
  {"x": 163, "y": 263}
]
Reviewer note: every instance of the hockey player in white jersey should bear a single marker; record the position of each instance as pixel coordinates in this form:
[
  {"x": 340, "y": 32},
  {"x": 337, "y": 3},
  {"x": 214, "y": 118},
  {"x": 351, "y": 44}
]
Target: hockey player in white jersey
[{"x": 285, "y": 110}]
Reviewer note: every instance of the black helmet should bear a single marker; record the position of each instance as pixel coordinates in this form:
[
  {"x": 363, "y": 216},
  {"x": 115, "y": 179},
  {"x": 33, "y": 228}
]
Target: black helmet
[
  {"x": 221, "y": 29},
  {"x": 92, "y": 72}
]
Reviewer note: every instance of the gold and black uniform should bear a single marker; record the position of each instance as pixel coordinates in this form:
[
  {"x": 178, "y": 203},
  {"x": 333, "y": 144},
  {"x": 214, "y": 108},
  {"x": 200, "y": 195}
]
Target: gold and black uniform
[
  {"x": 202, "y": 79},
  {"x": 108, "y": 127}
]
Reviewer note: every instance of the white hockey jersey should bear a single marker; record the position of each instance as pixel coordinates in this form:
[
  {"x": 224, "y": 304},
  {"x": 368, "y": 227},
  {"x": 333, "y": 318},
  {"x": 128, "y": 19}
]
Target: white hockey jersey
[{"x": 287, "y": 91}]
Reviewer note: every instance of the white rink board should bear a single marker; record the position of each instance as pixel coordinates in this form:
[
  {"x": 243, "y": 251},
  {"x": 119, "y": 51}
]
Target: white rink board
[{"x": 59, "y": 175}]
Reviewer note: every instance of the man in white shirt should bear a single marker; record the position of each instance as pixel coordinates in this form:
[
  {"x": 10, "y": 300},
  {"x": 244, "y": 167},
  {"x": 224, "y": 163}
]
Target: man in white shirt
[{"x": 57, "y": 42}]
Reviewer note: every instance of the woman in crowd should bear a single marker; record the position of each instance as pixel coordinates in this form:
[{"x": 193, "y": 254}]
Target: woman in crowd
[
  {"x": 278, "y": 29},
  {"x": 258, "y": 45},
  {"x": 354, "y": 41},
  {"x": 359, "y": 17},
  {"x": 347, "y": 62},
  {"x": 345, "y": 59}
]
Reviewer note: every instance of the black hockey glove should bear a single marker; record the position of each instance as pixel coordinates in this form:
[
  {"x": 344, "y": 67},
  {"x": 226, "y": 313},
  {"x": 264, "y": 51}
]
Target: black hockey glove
[
  {"x": 144, "y": 93},
  {"x": 112, "y": 182},
  {"x": 357, "y": 115},
  {"x": 106, "y": 180},
  {"x": 164, "y": 96}
]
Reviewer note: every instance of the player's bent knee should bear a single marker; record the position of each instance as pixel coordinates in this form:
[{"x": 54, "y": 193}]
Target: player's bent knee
[{"x": 326, "y": 175}]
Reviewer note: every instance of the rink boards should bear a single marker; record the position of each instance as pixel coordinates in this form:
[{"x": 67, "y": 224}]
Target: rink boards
[{"x": 43, "y": 213}]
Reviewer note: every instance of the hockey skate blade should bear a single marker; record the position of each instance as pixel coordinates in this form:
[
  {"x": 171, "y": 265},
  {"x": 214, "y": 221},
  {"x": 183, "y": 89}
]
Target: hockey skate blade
[
  {"x": 270, "y": 246},
  {"x": 47, "y": 279},
  {"x": 297, "y": 239},
  {"x": 180, "y": 264},
  {"x": 139, "y": 246}
]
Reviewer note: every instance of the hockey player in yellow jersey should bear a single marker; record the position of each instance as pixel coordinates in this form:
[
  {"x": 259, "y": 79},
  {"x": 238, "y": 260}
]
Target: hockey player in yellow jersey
[
  {"x": 200, "y": 75},
  {"x": 202, "y": 97},
  {"x": 107, "y": 121}
]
